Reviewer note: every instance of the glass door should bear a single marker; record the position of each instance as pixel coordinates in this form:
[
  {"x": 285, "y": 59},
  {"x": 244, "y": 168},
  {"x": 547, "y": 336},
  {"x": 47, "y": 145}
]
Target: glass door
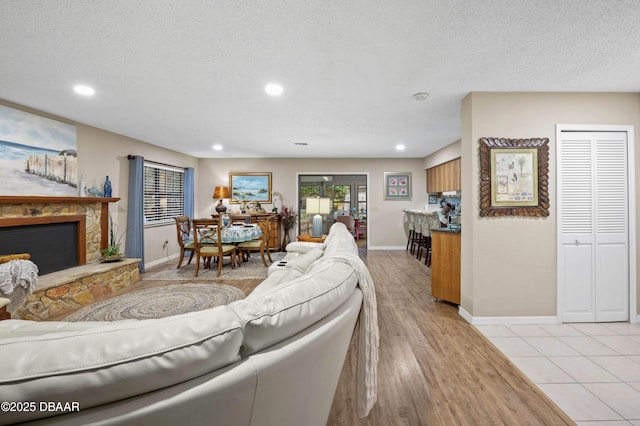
[{"x": 348, "y": 194}]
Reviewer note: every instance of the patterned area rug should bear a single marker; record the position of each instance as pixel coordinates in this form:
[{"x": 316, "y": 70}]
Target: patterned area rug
[
  {"x": 253, "y": 269},
  {"x": 159, "y": 302}
]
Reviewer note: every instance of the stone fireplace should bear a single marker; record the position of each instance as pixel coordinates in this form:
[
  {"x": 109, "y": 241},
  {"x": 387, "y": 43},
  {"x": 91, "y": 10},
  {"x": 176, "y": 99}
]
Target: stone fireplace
[
  {"x": 68, "y": 289},
  {"x": 90, "y": 216}
]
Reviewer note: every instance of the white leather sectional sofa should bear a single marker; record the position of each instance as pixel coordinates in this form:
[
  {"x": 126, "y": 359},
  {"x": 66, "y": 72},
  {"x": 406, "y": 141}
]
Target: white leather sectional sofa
[{"x": 273, "y": 358}]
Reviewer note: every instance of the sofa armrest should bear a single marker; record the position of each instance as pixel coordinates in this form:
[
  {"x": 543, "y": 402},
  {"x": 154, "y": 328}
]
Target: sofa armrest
[{"x": 302, "y": 246}]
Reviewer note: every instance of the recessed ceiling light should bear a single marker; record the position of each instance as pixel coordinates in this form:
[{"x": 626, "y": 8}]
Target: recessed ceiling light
[
  {"x": 421, "y": 96},
  {"x": 84, "y": 90},
  {"x": 217, "y": 147},
  {"x": 400, "y": 147},
  {"x": 273, "y": 89}
]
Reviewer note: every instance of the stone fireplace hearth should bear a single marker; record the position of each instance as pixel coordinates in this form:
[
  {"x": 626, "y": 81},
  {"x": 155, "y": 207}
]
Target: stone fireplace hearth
[{"x": 70, "y": 288}]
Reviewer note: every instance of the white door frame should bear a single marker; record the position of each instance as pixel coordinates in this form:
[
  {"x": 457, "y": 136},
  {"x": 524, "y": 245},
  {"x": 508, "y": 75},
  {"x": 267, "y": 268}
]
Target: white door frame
[
  {"x": 298, "y": 174},
  {"x": 633, "y": 285}
]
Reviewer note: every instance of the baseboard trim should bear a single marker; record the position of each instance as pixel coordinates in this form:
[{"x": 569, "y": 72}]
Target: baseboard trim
[
  {"x": 538, "y": 320},
  {"x": 163, "y": 260},
  {"x": 386, "y": 248}
]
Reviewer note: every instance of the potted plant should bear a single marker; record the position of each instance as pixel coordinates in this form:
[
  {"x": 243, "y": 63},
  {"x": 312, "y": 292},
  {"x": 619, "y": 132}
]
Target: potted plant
[
  {"x": 289, "y": 218},
  {"x": 112, "y": 252}
]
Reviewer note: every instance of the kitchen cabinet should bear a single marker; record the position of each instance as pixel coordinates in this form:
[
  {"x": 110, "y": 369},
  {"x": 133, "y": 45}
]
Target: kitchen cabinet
[
  {"x": 444, "y": 177},
  {"x": 445, "y": 264}
]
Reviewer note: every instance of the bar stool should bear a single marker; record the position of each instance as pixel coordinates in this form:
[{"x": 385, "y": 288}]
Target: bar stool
[
  {"x": 411, "y": 219},
  {"x": 417, "y": 232},
  {"x": 430, "y": 221}
]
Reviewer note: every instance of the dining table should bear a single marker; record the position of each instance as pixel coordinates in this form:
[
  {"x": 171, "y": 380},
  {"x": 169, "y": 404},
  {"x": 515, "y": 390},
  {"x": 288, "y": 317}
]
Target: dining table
[{"x": 234, "y": 234}]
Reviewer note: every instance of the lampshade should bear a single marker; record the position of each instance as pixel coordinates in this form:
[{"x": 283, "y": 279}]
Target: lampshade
[
  {"x": 221, "y": 192},
  {"x": 318, "y": 206}
]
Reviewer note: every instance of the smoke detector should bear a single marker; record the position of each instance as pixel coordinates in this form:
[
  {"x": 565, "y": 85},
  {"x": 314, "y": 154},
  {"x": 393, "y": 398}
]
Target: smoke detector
[{"x": 421, "y": 96}]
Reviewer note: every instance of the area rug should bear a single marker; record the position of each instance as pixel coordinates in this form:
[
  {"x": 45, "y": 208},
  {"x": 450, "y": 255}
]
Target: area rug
[
  {"x": 253, "y": 269},
  {"x": 159, "y": 302}
]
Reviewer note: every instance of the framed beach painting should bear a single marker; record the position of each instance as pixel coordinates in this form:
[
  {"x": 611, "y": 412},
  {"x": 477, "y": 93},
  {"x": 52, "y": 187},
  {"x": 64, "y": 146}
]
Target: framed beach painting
[
  {"x": 397, "y": 185},
  {"x": 250, "y": 186},
  {"x": 38, "y": 155}
]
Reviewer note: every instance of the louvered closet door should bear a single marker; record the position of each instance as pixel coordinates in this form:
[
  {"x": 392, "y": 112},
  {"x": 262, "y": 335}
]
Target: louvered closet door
[{"x": 593, "y": 252}]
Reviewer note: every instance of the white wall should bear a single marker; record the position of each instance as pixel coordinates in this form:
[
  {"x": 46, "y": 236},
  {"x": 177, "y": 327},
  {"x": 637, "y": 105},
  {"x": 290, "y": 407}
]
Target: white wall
[
  {"x": 102, "y": 153},
  {"x": 384, "y": 218},
  {"x": 443, "y": 155},
  {"x": 509, "y": 263}
]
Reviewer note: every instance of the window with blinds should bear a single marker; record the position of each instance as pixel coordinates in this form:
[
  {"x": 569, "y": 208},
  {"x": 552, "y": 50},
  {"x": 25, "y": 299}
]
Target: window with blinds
[{"x": 163, "y": 193}]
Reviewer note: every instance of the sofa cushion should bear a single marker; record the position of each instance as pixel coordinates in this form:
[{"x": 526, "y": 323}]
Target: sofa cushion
[
  {"x": 274, "y": 279},
  {"x": 286, "y": 271},
  {"x": 293, "y": 306},
  {"x": 94, "y": 363},
  {"x": 342, "y": 242},
  {"x": 301, "y": 264}
]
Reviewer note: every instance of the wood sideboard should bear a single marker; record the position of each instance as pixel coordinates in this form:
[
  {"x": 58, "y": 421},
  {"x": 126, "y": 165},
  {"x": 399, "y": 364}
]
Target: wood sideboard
[{"x": 275, "y": 243}]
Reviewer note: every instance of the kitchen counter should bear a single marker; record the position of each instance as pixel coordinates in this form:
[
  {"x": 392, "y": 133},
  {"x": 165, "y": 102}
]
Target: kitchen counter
[
  {"x": 447, "y": 229},
  {"x": 445, "y": 264}
]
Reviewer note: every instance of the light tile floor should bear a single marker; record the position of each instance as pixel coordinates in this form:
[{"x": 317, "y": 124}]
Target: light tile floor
[{"x": 591, "y": 371}]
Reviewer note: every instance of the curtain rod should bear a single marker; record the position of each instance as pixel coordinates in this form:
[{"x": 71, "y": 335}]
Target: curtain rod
[{"x": 130, "y": 157}]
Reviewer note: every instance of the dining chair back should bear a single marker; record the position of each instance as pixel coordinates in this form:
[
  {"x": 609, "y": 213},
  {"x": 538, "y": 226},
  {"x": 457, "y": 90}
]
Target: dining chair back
[
  {"x": 185, "y": 238},
  {"x": 262, "y": 244},
  {"x": 208, "y": 244},
  {"x": 349, "y": 221}
]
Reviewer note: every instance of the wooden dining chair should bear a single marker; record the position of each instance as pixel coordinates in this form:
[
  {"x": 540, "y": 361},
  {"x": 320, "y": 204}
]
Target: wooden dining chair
[
  {"x": 208, "y": 244},
  {"x": 261, "y": 244},
  {"x": 350, "y": 223},
  {"x": 185, "y": 239}
]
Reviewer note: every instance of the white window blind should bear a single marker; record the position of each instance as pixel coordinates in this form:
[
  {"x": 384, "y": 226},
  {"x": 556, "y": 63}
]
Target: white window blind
[{"x": 163, "y": 193}]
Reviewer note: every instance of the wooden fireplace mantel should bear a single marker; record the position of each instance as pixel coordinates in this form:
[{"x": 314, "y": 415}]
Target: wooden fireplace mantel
[
  {"x": 104, "y": 211},
  {"x": 24, "y": 199}
]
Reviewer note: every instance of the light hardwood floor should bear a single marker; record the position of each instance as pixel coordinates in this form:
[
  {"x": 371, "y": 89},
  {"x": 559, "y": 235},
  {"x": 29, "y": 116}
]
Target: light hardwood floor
[{"x": 434, "y": 368}]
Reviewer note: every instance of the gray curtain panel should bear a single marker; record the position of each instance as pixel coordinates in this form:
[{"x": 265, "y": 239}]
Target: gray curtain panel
[
  {"x": 135, "y": 213},
  {"x": 189, "y": 192}
]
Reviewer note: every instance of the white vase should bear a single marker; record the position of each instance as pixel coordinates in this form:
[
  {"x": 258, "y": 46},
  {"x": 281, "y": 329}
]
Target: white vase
[{"x": 82, "y": 188}]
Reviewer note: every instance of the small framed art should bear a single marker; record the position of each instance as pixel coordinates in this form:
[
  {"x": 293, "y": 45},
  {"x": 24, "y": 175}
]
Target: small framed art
[
  {"x": 397, "y": 185},
  {"x": 433, "y": 199}
]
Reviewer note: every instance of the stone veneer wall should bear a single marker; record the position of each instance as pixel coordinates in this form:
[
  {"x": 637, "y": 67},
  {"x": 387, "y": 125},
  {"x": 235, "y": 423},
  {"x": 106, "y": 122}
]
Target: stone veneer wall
[
  {"x": 92, "y": 211},
  {"x": 65, "y": 291}
]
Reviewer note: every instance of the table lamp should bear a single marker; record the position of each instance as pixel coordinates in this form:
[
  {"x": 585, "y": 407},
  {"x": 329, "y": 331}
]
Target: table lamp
[
  {"x": 221, "y": 192},
  {"x": 318, "y": 206}
]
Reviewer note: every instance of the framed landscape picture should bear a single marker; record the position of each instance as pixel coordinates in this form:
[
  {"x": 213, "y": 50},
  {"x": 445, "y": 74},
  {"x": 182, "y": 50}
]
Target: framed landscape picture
[
  {"x": 397, "y": 185},
  {"x": 250, "y": 186}
]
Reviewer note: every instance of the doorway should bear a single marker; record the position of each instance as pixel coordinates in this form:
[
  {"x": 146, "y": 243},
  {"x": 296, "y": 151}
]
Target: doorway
[
  {"x": 348, "y": 196},
  {"x": 596, "y": 271}
]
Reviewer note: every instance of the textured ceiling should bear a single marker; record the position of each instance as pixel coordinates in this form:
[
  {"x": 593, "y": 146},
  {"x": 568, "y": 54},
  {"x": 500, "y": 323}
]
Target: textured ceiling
[{"x": 189, "y": 74}]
